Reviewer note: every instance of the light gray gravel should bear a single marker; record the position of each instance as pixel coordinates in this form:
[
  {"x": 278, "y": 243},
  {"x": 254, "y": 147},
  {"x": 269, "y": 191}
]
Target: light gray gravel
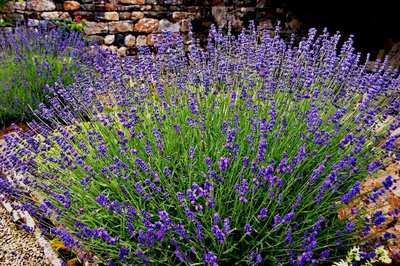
[{"x": 18, "y": 247}]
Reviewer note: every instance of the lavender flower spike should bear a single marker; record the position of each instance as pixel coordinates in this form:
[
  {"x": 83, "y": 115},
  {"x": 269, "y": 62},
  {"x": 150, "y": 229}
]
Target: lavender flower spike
[{"x": 247, "y": 229}]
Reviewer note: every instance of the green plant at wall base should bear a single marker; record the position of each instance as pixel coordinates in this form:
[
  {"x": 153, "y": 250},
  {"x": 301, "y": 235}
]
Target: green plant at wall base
[
  {"x": 5, "y": 18},
  {"x": 5, "y": 23},
  {"x": 70, "y": 25},
  {"x": 3, "y": 3}
]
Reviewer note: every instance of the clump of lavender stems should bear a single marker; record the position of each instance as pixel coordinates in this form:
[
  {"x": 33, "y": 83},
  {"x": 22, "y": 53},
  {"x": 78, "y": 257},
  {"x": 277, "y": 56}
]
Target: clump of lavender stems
[{"x": 241, "y": 153}]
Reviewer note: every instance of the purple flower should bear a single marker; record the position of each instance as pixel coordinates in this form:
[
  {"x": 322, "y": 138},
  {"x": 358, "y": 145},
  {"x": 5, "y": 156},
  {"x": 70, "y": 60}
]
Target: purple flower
[
  {"x": 100, "y": 232},
  {"x": 180, "y": 229},
  {"x": 179, "y": 255},
  {"x": 208, "y": 162},
  {"x": 218, "y": 233},
  {"x": 259, "y": 259},
  {"x": 288, "y": 238},
  {"x": 207, "y": 186},
  {"x": 180, "y": 196},
  {"x": 210, "y": 258},
  {"x": 388, "y": 182},
  {"x": 167, "y": 172},
  {"x": 193, "y": 104},
  {"x": 236, "y": 116},
  {"x": 227, "y": 227},
  {"x": 277, "y": 220},
  {"x": 122, "y": 253},
  {"x": 256, "y": 127},
  {"x": 231, "y": 135},
  {"x": 193, "y": 250},
  {"x": 253, "y": 167},
  {"x": 373, "y": 166},
  {"x": 316, "y": 173},
  {"x": 282, "y": 163},
  {"x": 216, "y": 219},
  {"x": 298, "y": 199},
  {"x": 178, "y": 129},
  {"x": 192, "y": 197},
  {"x": 353, "y": 192},
  {"x": 190, "y": 214},
  {"x": 199, "y": 231},
  {"x": 247, "y": 229},
  {"x": 235, "y": 151},
  {"x": 223, "y": 164},
  {"x": 349, "y": 227},
  {"x": 389, "y": 235},
  {"x": 262, "y": 149},
  {"x": 148, "y": 148},
  {"x": 317, "y": 224},
  {"x": 251, "y": 256},
  {"x": 210, "y": 204},
  {"x": 26, "y": 228},
  {"x": 142, "y": 165},
  {"x": 243, "y": 200},
  {"x": 141, "y": 255},
  {"x": 191, "y": 152},
  {"x": 325, "y": 254},
  {"x": 300, "y": 156},
  {"x": 305, "y": 257},
  {"x": 164, "y": 217},
  {"x": 224, "y": 127},
  {"x": 246, "y": 161},
  {"x": 102, "y": 200},
  {"x": 242, "y": 190},
  {"x": 288, "y": 217},
  {"x": 250, "y": 139},
  {"x": 263, "y": 213},
  {"x": 140, "y": 189},
  {"x": 379, "y": 220}
]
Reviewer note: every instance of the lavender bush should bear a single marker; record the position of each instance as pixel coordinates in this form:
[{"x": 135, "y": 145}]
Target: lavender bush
[
  {"x": 31, "y": 59},
  {"x": 242, "y": 153}
]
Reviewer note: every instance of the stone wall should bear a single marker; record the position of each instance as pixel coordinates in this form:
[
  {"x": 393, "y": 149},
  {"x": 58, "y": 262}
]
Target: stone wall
[{"x": 124, "y": 24}]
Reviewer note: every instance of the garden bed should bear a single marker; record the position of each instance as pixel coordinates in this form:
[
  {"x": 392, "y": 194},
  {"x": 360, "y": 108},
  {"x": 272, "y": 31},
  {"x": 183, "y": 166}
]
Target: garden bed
[{"x": 252, "y": 151}]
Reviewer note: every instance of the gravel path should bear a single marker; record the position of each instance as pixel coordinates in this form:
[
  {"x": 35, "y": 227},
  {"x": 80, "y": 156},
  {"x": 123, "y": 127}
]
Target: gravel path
[{"x": 18, "y": 247}]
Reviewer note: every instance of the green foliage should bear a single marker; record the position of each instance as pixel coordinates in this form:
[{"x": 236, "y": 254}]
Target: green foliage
[
  {"x": 3, "y": 3},
  {"x": 3, "y": 20},
  {"x": 71, "y": 24},
  {"x": 4, "y": 23}
]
